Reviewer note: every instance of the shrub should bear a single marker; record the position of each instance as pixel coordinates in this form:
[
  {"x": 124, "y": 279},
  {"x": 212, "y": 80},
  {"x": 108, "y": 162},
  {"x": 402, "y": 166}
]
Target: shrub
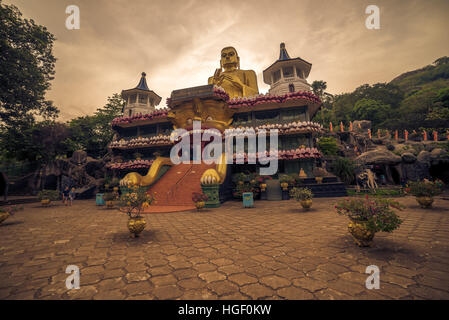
[
  {"x": 345, "y": 168},
  {"x": 51, "y": 195},
  {"x": 320, "y": 172},
  {"x": 285, "y": 178},
  {"x": 301, "y": 194},
  {"x": 135, "y": 200},
  {"x": 199, "y": 197},
  {"x": 110, "y": 196},
  {"x": 378, "y": 213},
  {"x": 424, "y": 188},
  {"x": 328, "y": 146},
  {"x": 11, "y": 209}
]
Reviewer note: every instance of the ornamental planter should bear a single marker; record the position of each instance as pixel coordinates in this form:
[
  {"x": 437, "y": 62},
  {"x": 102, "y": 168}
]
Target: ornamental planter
[
  {"x": 45, "y": 202},
  {"x": 212, "y": 193},
  {"x": 110, "y": 204},
  {"x": 99, "y": 201},
  {"x": 4, "y": 216},
  {"x": 199, "y": 205},
  {"x": 285, "y": 194},
  {"x": 136, "y": 225},
  {"x": 248, "y": 200},
  {"x": 360, "y": 233},
  {"x": 306, "y": 204},
  {"x": 425, "y": 202}
]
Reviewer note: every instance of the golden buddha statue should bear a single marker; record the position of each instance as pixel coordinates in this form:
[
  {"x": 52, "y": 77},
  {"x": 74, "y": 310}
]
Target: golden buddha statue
[{"x": 236, "y": 82}]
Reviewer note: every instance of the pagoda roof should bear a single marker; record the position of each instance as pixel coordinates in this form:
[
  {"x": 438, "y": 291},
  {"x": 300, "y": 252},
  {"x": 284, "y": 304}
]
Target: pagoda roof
[
  {"x": 285, "y": 60},
  {"x": 142, "y": 87}
]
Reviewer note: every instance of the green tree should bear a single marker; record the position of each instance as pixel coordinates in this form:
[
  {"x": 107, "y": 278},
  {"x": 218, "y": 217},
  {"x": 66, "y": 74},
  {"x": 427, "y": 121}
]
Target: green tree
[
  {"x": 318, "y": 87},
  {"x": 368, "y": 109},
  {"x": 38, "y": 142},
  {"x": 26, "y": 69},
  {"x": 94, "y": 133}
]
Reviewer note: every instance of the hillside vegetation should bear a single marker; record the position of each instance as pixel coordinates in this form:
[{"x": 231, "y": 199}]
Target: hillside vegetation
[{"x": 414, "y": 100}]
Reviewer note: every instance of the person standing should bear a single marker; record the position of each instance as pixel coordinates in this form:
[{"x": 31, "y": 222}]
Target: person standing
[
  {"x": 71, "y": 195},
  {"x": 65, "y": 195}
]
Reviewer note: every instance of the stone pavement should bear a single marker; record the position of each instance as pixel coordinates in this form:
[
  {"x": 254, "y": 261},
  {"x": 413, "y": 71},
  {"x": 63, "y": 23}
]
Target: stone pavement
[{"x": 273, "y": 251}]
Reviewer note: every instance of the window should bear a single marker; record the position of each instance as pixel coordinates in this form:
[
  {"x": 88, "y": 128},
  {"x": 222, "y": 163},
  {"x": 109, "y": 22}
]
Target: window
[
  {"x": 132, "y": 98},
  {"x": 291, "y": 87},
  {"x": 288, "y": 72},
  {"x": 276, "y": 76},
  {"x": 295, "y": 114},
  {"x": 152, "y": 102},
  {"x": 142, "y": 99},
  {"x": 299, "y": 73},
  {"x": 267, "y": 116},
  {"x": 148, "y": 130}
]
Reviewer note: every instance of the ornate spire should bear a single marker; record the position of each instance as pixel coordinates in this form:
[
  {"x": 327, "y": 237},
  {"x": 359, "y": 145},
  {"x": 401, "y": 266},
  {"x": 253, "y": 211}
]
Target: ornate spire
[
  {"x": 283, "y": 55},
  {"x": 143, "y": 83}
]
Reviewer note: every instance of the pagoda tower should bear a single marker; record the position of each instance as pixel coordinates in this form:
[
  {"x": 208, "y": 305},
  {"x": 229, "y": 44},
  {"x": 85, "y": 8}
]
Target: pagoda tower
[
  {"x": 140, "y": 99},
  {"x": 287, "y": 74}
]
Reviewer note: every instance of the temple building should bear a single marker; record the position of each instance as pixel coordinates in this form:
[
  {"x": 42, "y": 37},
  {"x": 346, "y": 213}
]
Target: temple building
[
  {"x": 140, "y": 99},
  {"x": 287, "y": 74},
  {"x": 232, "y": 104}
]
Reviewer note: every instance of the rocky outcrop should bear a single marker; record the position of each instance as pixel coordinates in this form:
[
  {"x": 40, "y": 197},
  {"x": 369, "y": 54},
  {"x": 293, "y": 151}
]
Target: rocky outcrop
[
  {"x": 379, "y": 156},
  {"x": 83, "y": 173}
]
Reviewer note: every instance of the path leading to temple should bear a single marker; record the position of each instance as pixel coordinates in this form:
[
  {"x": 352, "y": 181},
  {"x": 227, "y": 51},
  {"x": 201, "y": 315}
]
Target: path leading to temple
[
  {"x": 173, "y": 191},
  {"x": 275, "y": 250}
]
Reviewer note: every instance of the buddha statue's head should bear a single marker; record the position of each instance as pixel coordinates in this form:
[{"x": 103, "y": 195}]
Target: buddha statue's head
[{"x": 230, "y": 60}]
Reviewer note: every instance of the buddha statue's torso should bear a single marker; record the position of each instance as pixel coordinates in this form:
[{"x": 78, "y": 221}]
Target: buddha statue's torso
[{"x": 236, "y": 82}]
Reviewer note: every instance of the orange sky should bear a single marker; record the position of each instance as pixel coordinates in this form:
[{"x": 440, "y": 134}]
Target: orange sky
[{"x": 178, "y": 43}]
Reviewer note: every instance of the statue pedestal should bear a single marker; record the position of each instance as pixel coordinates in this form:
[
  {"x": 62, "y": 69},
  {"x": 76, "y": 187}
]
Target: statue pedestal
[{"x": 213, "y": 195}]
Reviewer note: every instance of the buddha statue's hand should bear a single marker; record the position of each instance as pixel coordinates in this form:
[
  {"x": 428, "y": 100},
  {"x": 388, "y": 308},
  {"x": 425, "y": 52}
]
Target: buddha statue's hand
[
  {"x": 210, "y": 176},
  {"x": 131, "y": 179}
]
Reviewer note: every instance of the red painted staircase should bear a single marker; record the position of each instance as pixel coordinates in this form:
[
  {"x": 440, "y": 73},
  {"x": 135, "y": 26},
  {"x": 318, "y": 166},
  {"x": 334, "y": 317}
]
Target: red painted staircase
[{"x": 173, "y": 191}]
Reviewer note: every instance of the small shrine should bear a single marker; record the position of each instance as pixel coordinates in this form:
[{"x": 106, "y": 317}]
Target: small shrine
[
  {"x": 140, "y": 100},
  {"x": 287, "y": 74}
]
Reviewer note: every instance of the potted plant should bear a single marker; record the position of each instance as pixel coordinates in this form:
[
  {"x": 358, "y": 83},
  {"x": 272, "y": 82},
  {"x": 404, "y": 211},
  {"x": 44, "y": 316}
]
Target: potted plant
[
  {"x": 47, "y": 196},
  {"x": 303, "y": 195},
  {"x": 424, "y": 191},
  {"x": 6, "y": 212},
  {"x": 263, "y": 186},
  {"x": 239, "y": 178},
  {"x": 285, "y": 180},
  {"x": 133, "y": 203},
  {"x": 109, "y": 198},
  {"x": 319, "y": 174},
  {"x": 368, "y": 216},
  {"x": 199, "y": 199}
]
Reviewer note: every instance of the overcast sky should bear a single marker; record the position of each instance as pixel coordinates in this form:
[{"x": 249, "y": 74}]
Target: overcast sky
[{"x": 178, "y": 43}]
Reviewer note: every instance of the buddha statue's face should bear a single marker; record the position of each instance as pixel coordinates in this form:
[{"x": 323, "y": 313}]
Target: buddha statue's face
[{"x": 229, "y": 58}]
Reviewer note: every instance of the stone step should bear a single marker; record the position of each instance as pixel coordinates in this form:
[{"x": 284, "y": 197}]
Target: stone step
[
  {"x": 274, "y": 190},
  {"x": 176, "y": 186}
]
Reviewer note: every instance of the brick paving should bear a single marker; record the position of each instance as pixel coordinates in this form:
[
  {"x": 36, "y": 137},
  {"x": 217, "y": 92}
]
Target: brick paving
[{"x": 273, "y": 251}]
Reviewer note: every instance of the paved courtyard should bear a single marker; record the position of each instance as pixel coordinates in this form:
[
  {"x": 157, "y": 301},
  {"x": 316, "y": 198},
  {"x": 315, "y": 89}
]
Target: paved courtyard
[{"x": 273, "y": 251}]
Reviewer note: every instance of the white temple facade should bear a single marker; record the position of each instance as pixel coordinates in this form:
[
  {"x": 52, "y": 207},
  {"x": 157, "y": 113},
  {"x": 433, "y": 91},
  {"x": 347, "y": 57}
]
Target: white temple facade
[
  {"x": 287, "y": 74},
  {"x": 140, "y": 99}
]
